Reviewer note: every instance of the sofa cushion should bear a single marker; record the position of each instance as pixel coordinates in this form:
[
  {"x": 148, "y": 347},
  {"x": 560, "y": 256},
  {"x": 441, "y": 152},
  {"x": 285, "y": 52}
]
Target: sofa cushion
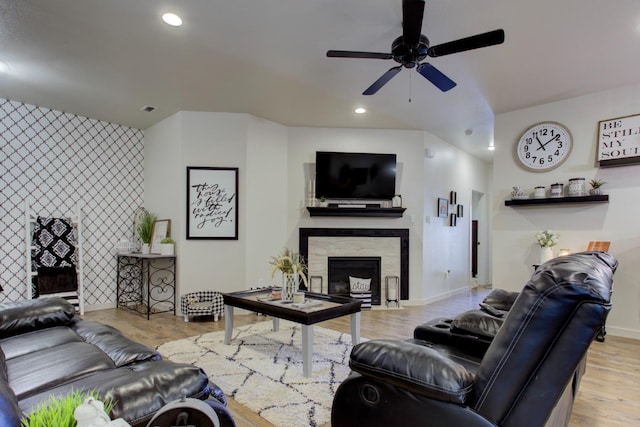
[
  {"x": 28, "y": 315},
  {"x": 30, "y": 342},
  {"x": 501, "y": 299},
  {"x": 40, "y": 370},
  {"x": 478, "y": 323},
  {"x": 119, "y": 348}
]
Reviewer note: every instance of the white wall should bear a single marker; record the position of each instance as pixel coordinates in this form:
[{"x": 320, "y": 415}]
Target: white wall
[
  {"x": 514, "y": 248},
  {"x": 258, "y": 148},
  {"x": 447, "y": 250},
  {"x": 276, "y": 164},
  {"x": 420, "y": 181}
]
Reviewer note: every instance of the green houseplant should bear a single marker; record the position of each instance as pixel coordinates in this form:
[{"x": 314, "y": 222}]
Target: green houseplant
[
  {"x": 59, "y": 410},
  {"x": 144, "y": 229},
  {"x": 167, "y": 246},
  {"x": 596, "y": 187}
]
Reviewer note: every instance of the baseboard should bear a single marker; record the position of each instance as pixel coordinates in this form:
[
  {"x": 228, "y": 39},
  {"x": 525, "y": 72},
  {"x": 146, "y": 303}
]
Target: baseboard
[
  {"x": 623, "y": 332},
  {"x": 435, "y": 298},
  {"x": 96, "y": 307}
]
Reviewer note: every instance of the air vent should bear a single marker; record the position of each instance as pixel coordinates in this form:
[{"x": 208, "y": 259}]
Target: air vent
[{"x": 148, "y": 108}]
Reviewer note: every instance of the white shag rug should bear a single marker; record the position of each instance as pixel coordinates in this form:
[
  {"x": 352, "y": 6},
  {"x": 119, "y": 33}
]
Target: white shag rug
[{"x": 262, "y": 369}]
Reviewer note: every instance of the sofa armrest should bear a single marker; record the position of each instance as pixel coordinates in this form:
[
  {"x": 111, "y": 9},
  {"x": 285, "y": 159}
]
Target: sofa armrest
[
  {"x": 29, "y": 315},
  {"x": 413, "y": 367}
]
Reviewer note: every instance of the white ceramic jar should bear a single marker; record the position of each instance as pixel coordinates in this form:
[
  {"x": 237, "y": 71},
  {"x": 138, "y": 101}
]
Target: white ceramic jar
[
  {"x": 577, "y": 187},
  {"x": 557, "y": 190}
]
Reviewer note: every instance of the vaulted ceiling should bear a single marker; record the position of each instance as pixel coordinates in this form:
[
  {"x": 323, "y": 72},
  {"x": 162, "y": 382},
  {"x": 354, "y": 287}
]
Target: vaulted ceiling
[{"x": 107, "y": 59}]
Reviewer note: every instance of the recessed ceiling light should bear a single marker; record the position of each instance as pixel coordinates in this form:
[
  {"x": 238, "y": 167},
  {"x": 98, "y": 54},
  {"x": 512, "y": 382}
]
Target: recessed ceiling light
[
  {"x": 148, "y": 108},
  {"x": 360, "y": 110},
  {"x": 172, "y": 19}
]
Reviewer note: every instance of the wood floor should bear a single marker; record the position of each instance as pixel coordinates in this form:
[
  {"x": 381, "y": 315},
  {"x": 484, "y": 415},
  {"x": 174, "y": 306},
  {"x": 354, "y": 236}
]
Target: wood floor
[{"x": 609, "y": 393}]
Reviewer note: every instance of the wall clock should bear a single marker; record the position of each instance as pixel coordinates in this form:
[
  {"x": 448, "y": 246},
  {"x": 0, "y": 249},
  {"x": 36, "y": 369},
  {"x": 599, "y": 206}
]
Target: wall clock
[{"x": 544, "y": 146}]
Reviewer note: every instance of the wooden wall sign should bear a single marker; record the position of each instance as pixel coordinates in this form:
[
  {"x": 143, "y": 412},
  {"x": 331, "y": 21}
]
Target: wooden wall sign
[{"x": 619, "y": 141}]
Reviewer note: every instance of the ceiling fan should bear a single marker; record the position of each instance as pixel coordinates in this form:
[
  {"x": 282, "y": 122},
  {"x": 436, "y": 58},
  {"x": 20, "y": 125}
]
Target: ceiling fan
[{"x": 412, "y": 47}]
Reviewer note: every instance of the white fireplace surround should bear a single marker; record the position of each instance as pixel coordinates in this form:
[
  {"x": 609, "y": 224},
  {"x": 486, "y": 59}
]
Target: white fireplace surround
[
  {"x": 321, "y": 248},
  {"x": 388, "y": 247}
]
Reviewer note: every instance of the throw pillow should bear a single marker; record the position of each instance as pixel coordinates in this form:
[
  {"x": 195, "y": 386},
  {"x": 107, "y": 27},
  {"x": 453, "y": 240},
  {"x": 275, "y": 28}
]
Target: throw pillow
[{"x": 357, "y": 284}]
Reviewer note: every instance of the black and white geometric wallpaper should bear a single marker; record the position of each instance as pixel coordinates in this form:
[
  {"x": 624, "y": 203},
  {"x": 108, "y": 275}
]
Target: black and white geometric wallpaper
[{"x": 57, "y": 160}]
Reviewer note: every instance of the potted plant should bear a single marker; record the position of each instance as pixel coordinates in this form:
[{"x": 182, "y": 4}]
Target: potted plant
[
  {"x": 323, "y": 202},
  {"x": 293, "y": 268},
  {"x": 596, "y": 185},
  {"x": 145, "y": 229},
  {"x": 167, "y": 246}
]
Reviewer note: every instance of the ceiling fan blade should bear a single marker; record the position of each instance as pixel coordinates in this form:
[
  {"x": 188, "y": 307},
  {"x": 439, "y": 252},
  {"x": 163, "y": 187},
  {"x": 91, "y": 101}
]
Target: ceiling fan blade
[
  {"x": 412, "y": 13},
  {"x": 352, "y": 54},
  {"x": 436, "y": 77},
  {"x": 468, "y": 43},
  {"x": 382, "y": 80}
]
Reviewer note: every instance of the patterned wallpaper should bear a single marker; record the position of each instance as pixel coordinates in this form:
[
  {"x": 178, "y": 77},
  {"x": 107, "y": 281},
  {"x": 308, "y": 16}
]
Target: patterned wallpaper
[{"x": 56, "y": 160}]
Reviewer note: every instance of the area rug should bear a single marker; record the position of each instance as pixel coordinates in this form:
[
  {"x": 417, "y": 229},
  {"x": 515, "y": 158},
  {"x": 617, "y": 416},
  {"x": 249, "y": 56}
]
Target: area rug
[{"x": 262, "y": 369}]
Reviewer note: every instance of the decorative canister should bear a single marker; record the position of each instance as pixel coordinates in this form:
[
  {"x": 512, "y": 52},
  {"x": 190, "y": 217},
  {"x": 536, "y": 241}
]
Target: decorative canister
[
  {"x": 577, "y": 187},
  {"x": 557, "y": 190},
  {"x": 539, "y": 192}
]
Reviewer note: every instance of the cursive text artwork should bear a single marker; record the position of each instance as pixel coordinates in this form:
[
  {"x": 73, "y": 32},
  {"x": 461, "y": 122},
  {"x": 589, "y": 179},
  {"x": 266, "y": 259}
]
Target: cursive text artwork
[{"x": 212, "y": 205}]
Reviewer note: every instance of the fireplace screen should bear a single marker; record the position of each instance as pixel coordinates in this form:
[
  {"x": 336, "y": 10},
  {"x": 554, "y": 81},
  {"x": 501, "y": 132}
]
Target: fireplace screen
[{"x": 340, "y": 268}]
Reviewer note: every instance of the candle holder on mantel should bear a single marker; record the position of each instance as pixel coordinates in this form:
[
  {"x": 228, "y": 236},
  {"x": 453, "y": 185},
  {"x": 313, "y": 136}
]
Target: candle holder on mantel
[{"x": 392, "y": 284}]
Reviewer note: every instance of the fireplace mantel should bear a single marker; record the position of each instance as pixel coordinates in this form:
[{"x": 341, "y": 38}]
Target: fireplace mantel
[{"x": 401, "y": 233}]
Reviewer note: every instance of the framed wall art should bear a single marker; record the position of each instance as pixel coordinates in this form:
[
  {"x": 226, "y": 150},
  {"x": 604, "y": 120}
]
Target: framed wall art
[
  {"x": 443, "y": 207},
  {"x": 619, "y": 141},
  {"x": 161, "y": 229},
  {"x": 453, "y": 197},
  {"x": 453, "y": 220},
  {"x": 212, "y": 203},
  {"x": 460, "y": 211}
]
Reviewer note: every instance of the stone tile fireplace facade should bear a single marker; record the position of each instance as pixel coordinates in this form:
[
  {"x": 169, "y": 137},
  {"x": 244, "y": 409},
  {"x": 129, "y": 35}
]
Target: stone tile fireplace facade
[{"x": 317, "y": 245}]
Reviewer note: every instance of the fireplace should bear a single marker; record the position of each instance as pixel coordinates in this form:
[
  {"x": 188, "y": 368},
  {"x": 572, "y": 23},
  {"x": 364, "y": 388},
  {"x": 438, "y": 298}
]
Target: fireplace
[
  {"x": 391, "y": 245},
  {"x": 340, "y": 268}
]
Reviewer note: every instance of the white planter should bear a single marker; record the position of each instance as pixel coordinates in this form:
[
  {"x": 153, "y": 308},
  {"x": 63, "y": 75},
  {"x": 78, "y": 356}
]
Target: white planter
[
  {"x": 545, "y": 254},
  {"x": 144, "y": 249},
  {"x": 167, "y": 249}
]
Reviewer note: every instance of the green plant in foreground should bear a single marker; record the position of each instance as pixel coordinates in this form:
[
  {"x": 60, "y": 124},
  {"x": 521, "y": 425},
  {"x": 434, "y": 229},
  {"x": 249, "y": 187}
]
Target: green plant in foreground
[{"x": 58, "y": 410}]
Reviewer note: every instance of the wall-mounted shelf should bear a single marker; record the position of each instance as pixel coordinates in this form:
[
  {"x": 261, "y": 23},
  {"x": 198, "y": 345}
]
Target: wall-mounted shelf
[
  {"x": 367, "y": 211},
  {"x": 558, "y": 200}
]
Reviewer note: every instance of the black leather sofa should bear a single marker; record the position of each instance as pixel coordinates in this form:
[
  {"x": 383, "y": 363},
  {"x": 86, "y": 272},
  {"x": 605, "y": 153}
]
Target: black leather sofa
[
  {"x": 526, "y": 376},
  {"x": 46, "y": 349}
]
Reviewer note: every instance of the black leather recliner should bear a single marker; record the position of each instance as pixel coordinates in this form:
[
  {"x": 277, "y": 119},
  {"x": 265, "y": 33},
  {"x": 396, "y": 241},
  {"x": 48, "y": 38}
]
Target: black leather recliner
[{"x": 526, "y": 369}]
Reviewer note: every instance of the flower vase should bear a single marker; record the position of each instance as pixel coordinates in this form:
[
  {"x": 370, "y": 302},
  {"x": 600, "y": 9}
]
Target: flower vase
[
  {"x": 290, "y": 284},
  {"x": 546, "y": 253}
]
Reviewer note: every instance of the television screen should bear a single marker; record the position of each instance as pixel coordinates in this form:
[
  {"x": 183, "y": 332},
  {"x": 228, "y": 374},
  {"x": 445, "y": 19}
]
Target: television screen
[{"x": 355, "y": 175}]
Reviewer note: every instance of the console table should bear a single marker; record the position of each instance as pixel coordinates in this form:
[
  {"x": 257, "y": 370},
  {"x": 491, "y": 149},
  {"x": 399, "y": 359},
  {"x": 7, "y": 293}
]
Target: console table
[{"x": 146, "y": 283}]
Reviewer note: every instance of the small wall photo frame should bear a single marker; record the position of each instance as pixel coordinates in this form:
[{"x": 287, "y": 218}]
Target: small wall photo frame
[
  {"x": 212, "y": 203},
  {"x": 161, "y": 229},
  {"x": 452, "y": 220},
  {"x": 443, "y": 207},
  {"x": 460, "y": 211},
  {"x": 452, "y": 197}
]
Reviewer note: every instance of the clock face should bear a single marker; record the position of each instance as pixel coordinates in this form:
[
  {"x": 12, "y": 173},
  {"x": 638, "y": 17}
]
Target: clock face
[{"x": 544, "y": 146}]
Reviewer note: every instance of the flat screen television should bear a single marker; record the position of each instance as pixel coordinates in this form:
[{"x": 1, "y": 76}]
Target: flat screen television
[{"x": 355, "y": 175}]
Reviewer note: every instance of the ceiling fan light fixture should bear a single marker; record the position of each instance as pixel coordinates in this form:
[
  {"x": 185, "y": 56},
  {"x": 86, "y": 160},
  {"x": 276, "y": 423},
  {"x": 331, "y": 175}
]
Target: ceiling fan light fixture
[{"x": 172, "y": 19}]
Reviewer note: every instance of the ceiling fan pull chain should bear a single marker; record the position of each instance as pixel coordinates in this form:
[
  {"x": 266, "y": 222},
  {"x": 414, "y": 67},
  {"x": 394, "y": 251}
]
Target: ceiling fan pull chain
[{"x": 410, "y": 74}]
